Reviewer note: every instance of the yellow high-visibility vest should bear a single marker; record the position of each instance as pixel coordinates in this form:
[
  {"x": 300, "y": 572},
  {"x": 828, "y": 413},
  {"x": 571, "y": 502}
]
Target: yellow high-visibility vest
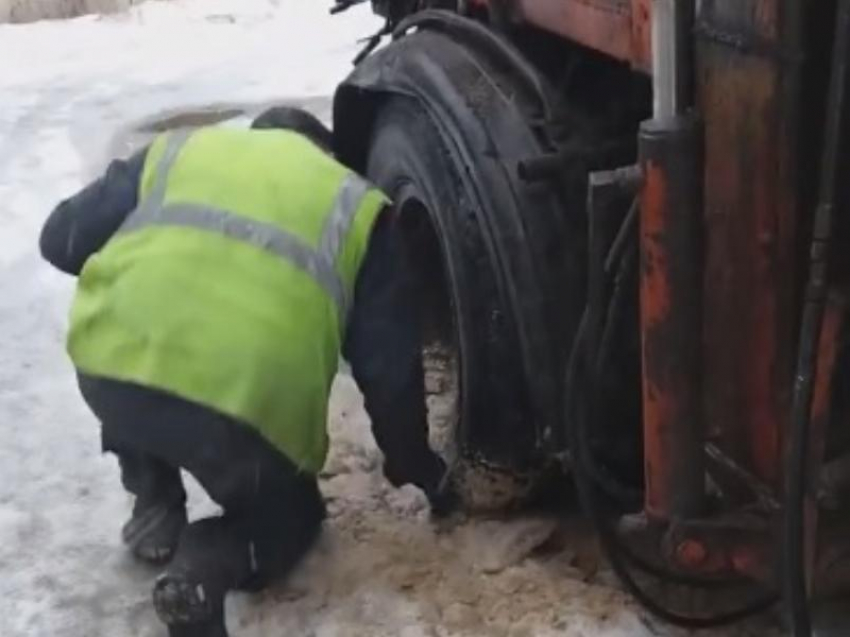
[{"x": 229, "y": 285}]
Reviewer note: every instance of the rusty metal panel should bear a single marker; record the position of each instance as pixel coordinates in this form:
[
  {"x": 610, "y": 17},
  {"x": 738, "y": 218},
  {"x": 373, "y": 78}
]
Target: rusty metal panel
[
  {"x": 604, "y": 25},
  {"x": 747, "y": 94}
]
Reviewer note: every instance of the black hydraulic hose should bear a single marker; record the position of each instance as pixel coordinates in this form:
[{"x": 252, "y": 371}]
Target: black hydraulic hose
[
  {"x": 624, "y": 496},
  {"x": 585, "y": 365},
  {"x": 625, "y": 236},
  {"x": 622, "y": 278},
  {"x": 835, "y": 131},
  {"x": 617, "y": 554},
  {"x": 628, "y": 496},
  {"x": 477, "y": 32}
]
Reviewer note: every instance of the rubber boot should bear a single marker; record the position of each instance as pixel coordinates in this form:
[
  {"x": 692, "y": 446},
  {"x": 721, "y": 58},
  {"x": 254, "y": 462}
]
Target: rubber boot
[
  {"x": 154, "y": 529},
  {"x": 187, "y": 609},
  {"x": 189, "y": 595},
  {"x": 197, "y": 630}
]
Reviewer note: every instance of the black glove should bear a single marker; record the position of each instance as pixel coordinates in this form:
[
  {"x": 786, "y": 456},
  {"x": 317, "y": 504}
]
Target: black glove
[
  {"x": 424, "y": 469},
  {"x": 429, "y": 473}
]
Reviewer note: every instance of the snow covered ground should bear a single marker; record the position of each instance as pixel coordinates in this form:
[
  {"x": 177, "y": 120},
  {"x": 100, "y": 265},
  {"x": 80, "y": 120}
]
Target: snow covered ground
[{"x": 75, "y": 92}]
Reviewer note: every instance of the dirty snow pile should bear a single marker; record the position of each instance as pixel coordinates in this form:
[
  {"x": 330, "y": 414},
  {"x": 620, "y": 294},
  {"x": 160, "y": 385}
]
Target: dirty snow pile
[
  {"x": 73, "y": 93},
  {"x": 20, "y": 11}
]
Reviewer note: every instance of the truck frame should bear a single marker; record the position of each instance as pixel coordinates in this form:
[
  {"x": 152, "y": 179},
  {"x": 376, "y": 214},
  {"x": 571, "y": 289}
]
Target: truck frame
[{"x": 630, "y": 231}]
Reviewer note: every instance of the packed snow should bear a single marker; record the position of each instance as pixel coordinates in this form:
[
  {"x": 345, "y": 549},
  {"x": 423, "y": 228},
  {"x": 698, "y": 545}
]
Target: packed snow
[{"x": 75, "y": 93}]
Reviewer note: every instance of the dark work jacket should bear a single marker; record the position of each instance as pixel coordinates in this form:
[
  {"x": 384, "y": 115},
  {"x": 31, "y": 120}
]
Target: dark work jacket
[{"x": 382, "y": 342}]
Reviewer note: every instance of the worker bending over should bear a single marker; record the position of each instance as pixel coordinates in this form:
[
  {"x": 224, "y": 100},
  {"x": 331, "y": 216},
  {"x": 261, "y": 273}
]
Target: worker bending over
[{"x": 221, "y": 274}]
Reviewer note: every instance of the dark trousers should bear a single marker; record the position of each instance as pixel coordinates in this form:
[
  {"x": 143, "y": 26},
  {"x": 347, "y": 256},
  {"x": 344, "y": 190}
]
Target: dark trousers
[{"x": 272, "y": 512}]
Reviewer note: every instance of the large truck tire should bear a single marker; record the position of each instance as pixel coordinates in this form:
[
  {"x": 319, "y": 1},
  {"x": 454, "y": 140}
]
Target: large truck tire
[
  {"x": 469, "y": 141},
  {"x": 472, "y": 369}
]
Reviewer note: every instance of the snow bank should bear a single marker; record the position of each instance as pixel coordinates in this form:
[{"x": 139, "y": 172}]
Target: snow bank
[{"x": 20, "y": 11}]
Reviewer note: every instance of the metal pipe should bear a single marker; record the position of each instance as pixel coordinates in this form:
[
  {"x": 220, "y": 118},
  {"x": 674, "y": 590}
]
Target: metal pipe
[
  {"x": 672, "y": 60},
  {"x": 671, "y": 311},
  {"x": 670, "y": 148},
  {"x": 665, "y": 59},
  {"x": 671, "y": 22}
]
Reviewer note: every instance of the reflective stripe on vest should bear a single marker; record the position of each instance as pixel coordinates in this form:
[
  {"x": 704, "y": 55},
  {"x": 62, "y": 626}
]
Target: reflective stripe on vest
[{"x": 319, "y": 264}]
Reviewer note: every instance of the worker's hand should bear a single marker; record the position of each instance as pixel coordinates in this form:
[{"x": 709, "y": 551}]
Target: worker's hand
[
  {"x": 423, "y": 469},
  {"x": 426, "y": 471}
]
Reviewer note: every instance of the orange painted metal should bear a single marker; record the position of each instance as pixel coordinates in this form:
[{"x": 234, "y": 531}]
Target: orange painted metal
[
  {"x": 828, "y": 346},
  {"x": 733, "y": 545},
  {"x": 659, "y": 406},
  {"x": 670, "y": 309},
  {"x": 729, "y": 554},
  {"x": 721, "y": 545},
  {"x": 691, "y": 554},
  {"x": 618, "y": 28},
  {"x": 751, "y": 304},
  {"x": 642, "y": 34}
]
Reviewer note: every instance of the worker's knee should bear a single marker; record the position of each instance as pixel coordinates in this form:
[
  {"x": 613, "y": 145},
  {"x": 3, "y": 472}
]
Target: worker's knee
[
  {"x": 276, "y": 550},
  {"x": 313, "y": 504}
]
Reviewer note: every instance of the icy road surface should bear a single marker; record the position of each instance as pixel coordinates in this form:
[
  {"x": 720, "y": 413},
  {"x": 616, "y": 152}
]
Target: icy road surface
[{"x": 72, "y": 93}]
